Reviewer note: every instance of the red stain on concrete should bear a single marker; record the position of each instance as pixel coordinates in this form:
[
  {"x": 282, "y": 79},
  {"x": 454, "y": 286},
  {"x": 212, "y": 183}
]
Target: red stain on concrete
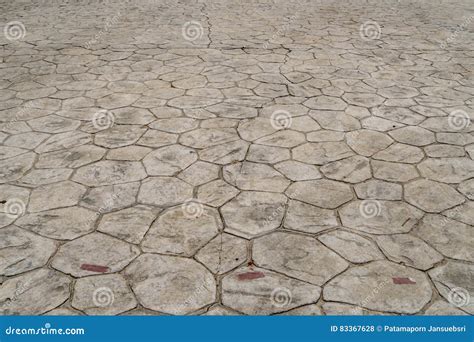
[
  {"x": 250, "y": 275},
  {"x": 403, "y": 281},
  {"x": 94, "y": 268}
]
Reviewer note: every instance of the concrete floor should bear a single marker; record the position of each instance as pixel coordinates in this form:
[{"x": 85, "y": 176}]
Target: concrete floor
[{"x": 224, "y": 157}]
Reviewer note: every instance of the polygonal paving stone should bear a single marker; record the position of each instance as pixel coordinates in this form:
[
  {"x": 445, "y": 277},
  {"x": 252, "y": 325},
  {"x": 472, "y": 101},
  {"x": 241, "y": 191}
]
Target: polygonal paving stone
[
  {"x": 297, "y": 256},
  {"x": 169, "y": 160},
  {"x": 182, "y": 230},
  {"x": 103, "y": 295},
  {"x": 21, "y": 251},
  {"x": 46, "y": 176},
  {"x": 363, "y": 99},
  {"x": 400, "y": 153},
  {"x": 409, "y": 250},
  {"x": 267, "y": 154},
  {"x": 307, "y": 218},
  {"x": 297, "y": 171},
  {"x": 284, "y": 138},
  {"x": 455, "y": 282},
  {"x": 14, "y": 168},
  {"x": 57, "y": 195},
  {"x": 216, "y": 193},
  {"x": 26, "y": 140},
  {"x": 325, "y": 102},
  {"x": 253, "y": 213},
  {"x": 256, "y": 291},
  {"x": 33, "y": 293},
  {"x": 171, "y": 284},
  {"x": 322, "y": 193},
  {"x": 175, "y": 125},
  {"x": 467, "y": 188},
  {"x": 352, "y": 247},
  {"x": 335, "y": 120},
  {"x": 432, "y": 197},
  {"x": 111, "y": 197},
  {"x": 254, "y": 176},
  {"x": 377, "y": 189},
  {"x": 225, "y": 153},
  {"x": 54, "y": 124},
  {"x": 367, "y": 143},
  {"x": 223, "y": 253},
  {"x": 117, "y": 100},
  {"x": 63, "y": 141},
  {"x": 164, "y": 191},
  {"x": 199, "y": 173},
  {"x": 444, "y": 151},
  {"x": 398, "y": 114},
  {"x": 375, "y": 123},
  {"x": 447, "y": 236},
  {"x": 398, "y": 92},
  {"x": 304, "y": 124},
  {"x": 353, "y": 169},
  {"x": 130, "y": 153},
  {"x": 357, "y": 286},
  {"x": 71, "y": 158},
  {"x": 379, "y": 217},
  {"x": 463, "y": 213},
  {"x": 108, "y": 172},
  {"x": 129, "y": 224},
  {"x": 254, "y": 129},
  {"x": 92, "y": 254},
  {"x": 132, "y": 116},
  {"x": 447, "y": 170},
  {"x": 154, "y": 138},
  {"x": 119, "y": 136},
  {"x": 207, "y": 137},
  {"x": 442, "y": 308},
  {"x": 61, "y": 224},
  {"x": 9, "y": 152},
  {"x": 393, "y": 172},
  {"x": 413, "y": 135},
  {"x": 322, "y": 153}
]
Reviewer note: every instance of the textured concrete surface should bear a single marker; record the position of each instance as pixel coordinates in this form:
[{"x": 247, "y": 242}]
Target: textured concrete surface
[{"x": 222, "y": 157}]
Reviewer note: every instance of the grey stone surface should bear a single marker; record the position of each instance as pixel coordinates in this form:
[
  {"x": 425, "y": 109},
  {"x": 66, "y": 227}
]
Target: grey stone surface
[
  {"x": 182, "y": 230},
  {"x": 297, "y": 256},
  {"x": 454, "y": 282},
  {"x": 103, "y": 295},
  {"x": 21, "y": 251},
  {"x": 96, "y": 249},
  {"x": 259, "y": 291},
  {"x": 345, "y": 128},
  {"x": 374, "y": 287},
  {"x": 34, "y": 293},
  {"x": 170, "y": 284}
]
